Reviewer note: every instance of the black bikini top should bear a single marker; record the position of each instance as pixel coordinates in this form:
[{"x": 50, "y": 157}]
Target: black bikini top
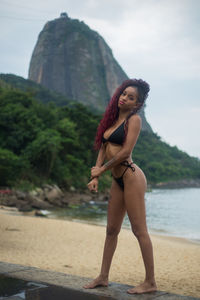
[{"x": 117, "y": 137}]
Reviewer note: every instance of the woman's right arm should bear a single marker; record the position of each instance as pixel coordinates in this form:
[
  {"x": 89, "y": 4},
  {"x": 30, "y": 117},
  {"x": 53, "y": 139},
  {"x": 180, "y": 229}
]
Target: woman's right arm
[
  {"x": 101, "y": 156},
  {"x": 93, "y": 184}
]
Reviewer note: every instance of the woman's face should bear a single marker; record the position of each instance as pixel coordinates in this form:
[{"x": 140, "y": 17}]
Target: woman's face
[{"x": 128, "y": 99}]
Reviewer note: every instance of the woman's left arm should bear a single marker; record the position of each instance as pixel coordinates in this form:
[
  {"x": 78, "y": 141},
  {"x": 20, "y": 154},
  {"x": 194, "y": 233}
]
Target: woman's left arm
[{"x": 134, "y": 127}]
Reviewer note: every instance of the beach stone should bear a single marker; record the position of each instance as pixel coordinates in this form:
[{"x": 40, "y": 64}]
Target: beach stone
[
  {"x": 75, "y": 198},
  {"x": 46, "y": 186},
  {"x": 85, "y": 198},
  {"x": 103, "y": 197},
  {"x": 72, "y": 189},
  {"x": 20, "y": 195},
  {"x": 39, "y": 214},
  {"x": 53, "y": 198},
  {"x": 23, "y": 206},
  {"x": 39, "y": 192},
  {"x": 65, "y": 201},
  {"x": 54, "y": 193},
  {"x": 8, "y": 200},
  {"x": 8, "y": 208},
  {"x": 33, "y": 193},
  {"x": 36, "y": 202}
]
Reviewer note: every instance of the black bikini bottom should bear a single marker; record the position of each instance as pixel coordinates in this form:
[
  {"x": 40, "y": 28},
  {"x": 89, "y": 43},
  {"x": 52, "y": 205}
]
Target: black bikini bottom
[{"x": 119, "y": 180}]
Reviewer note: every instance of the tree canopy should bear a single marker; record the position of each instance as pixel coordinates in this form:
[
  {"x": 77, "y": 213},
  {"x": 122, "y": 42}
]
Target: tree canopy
[{"x": 42, "y": 143}]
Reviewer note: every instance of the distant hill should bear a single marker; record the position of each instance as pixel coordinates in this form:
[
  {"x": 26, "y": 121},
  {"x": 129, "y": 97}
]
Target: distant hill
[
  {"x": 75, "y": 61},
  {"x": 37, "y": 90},
  {"x": 42, "y": 143}
]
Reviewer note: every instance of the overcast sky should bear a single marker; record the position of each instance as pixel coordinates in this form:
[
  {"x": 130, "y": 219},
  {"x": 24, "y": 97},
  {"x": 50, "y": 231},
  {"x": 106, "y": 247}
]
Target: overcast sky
[{"x": 156, "y": 40}]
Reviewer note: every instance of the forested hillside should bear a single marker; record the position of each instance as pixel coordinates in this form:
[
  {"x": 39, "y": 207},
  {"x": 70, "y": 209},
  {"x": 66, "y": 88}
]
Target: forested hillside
[
  {"x": 42, "y": 143},
  {"x": 36, "y": 90}
]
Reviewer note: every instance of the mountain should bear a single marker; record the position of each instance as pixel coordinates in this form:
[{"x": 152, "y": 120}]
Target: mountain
[
  {"x": 75, "y": 61},
  {"x": 37, "y": 90}
]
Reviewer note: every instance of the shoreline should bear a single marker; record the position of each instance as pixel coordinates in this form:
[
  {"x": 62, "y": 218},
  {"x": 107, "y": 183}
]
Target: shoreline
[
  {"x": 76, "y": 248},
  {"x": 14, "y": 212}
]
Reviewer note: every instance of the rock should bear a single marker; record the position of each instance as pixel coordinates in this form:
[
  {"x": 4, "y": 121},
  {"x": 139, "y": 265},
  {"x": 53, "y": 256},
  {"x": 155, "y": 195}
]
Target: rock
[
  {"x": 23, "y": 206},
  {"x": 54, "y": 196},
  {"x": 48, "y": 197},
  {"x": 39, "y": 203},
  {"x": 39, "y": 214},
  {"x": 33, "y": 193},
  {"x": 103, "y": 197},
  {"x": 58, "y": 190},
  {"x": 30, "y": 213},
  {"x": 8, "y": 208},
  {"x": 74, "y": 198},
  {"x": 8, "y": 200},
  {"x": 47, "y": 186},
  {"x": 77, "y": 198},
  {"x": 80, "y": 60},
  {"x": 39, "y": 191},
  {"x": 85, "y": 198},
  {"x": 65, "y": 201},
  {"x": 72, "y": 189},
  {"x": 20, "y": 195}
]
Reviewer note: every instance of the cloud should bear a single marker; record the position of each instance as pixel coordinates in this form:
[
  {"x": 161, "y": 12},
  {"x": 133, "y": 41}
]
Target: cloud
[
  {"x": 153, "y": 37},
  {"x": 156, "y": 36}
]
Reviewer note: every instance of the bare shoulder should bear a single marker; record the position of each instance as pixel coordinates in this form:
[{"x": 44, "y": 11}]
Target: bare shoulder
[{"x": 135, "y": 121}]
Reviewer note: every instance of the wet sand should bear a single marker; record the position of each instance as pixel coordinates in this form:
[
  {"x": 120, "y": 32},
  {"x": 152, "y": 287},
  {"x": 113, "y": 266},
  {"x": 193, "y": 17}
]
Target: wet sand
[{"x": 76, "y": 248}]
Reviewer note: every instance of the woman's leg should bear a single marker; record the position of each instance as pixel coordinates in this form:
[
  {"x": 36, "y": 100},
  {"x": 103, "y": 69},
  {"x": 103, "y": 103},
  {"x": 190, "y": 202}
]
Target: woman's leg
[
  {"x": 116, "y": 212},
  {"x": 135, "y": 187}
]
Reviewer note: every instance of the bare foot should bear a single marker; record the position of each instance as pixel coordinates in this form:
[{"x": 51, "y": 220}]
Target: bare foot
[
  {"x": 99, "y": 281},
  {"x": 145, "y": 287}
]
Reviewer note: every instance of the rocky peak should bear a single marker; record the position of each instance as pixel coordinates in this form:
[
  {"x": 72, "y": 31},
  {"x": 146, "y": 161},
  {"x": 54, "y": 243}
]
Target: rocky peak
[{"x": 74, "y": 60}]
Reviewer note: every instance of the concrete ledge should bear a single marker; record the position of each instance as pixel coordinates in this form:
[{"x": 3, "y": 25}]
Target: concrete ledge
[{"x": 64, "y": 286}]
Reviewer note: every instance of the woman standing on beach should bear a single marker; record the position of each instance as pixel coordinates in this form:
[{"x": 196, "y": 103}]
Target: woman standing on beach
[{"x": 116, "y": 137}]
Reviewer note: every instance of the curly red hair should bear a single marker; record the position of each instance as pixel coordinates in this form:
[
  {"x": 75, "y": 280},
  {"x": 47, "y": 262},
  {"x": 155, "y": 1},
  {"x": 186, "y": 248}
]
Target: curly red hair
[{"x": 112, "y": 111}]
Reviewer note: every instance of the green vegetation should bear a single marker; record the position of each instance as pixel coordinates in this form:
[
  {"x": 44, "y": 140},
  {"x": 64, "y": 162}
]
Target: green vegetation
[
  {"x": 45, "y": 143},
  {"x": 36, "y": 90},
  {"x": 161, "y": 162}
]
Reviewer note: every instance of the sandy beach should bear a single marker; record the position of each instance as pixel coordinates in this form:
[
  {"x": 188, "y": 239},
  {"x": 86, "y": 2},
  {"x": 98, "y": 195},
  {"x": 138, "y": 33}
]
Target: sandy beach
[{"x": 76, "y": 248}]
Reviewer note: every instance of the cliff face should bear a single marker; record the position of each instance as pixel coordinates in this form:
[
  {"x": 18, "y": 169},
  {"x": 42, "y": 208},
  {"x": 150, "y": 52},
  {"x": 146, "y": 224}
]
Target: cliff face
[{"x": 74, "y": 60}]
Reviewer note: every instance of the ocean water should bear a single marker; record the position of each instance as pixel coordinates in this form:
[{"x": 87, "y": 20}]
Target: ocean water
[
  {"x": 171, "y": 212},
  {"x": 174, "y": 212}
]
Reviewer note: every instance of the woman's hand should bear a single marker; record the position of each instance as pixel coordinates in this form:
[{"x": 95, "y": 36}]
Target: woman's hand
[
  {"x": 93, "y": 185},
  {"x": 96, "y": 171}
]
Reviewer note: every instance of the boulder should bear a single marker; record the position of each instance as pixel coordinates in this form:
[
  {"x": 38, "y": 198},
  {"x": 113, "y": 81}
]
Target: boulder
[
  {"x": 46, "y": 186},
  {"x": 33, "y": 193},
  {"x": 85, "y": 198},
  {"x": 36, "y": 202},
  {"x": 103, "y": 197},
  {"x": 54, "y": 196},
  {"x": 65, "y": 201},
  {"x": 23, "y": 206},
  {"x": 39, "y": 191},
  {"x": 20, "y": 195},
  {"x": 8, "y": 200}
]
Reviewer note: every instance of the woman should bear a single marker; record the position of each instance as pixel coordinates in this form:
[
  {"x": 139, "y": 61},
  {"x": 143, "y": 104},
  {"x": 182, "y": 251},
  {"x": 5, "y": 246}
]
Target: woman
[{"x": 116, "y": 137}]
